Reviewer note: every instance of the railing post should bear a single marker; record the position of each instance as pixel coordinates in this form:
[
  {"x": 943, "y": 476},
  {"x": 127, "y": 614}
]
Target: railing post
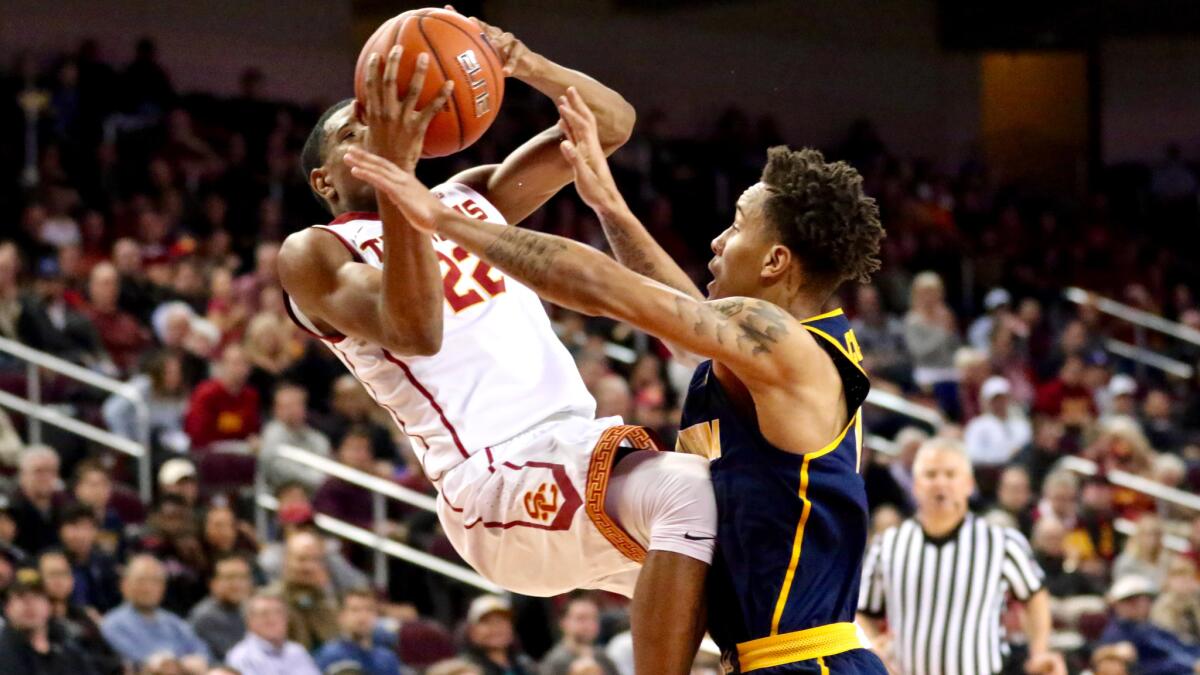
[
  {"x": 146, "y": 461},
  {"x": 34, "y": 390},
  {"x": 1139, "y": 339},
  {"x": 260, "y": 513},
  {"x": 379, "y": 509}
]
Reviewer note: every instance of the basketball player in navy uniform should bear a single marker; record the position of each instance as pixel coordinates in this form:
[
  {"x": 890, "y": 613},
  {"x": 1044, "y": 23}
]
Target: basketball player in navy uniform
[{"x": 774, "y": 405}]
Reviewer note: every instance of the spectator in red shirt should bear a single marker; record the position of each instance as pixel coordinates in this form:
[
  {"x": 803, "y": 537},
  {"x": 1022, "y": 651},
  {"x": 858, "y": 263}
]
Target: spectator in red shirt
[
  {"x": 122, "y": 335},
  {"x": 1066, "y": 397},
  {"x": 224, "y": 407}
]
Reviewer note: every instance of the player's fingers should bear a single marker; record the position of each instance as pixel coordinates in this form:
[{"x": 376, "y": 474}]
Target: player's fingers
[
  {"x": 451, "y": 8},
  {"x": 417, "y": 82},
  {"x": 436, "y": 105},
  {"x": 576, "y": 158},
  {"x": 582, "y": 129},
  {"x": 390, "y": 93},
  {"x": 565, "y": 128},
  {"x": 371, "y": 83}
]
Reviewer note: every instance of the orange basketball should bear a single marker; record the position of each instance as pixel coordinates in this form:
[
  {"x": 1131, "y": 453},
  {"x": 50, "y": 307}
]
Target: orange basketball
[{"x": 458, "y": 51}]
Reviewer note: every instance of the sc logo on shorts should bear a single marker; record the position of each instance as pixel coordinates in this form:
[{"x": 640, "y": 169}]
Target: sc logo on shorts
[{"x": 543, "y": 503}]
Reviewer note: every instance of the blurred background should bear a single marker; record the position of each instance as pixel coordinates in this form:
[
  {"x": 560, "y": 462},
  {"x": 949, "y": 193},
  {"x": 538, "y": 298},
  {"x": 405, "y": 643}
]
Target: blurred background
[{"x": 1036, "y": 168}]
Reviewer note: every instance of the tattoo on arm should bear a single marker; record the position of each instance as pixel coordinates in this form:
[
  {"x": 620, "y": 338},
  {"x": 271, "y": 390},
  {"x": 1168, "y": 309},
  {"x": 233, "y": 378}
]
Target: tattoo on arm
[
  {"x": 627, "y": 252},
  {"x": 527, "y": 255},
  {"x": 756, "y": 326}
]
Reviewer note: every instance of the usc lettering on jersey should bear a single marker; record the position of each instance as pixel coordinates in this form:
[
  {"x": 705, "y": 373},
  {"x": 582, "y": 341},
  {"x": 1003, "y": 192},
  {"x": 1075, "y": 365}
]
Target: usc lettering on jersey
[{"x": 501, "y": 369}]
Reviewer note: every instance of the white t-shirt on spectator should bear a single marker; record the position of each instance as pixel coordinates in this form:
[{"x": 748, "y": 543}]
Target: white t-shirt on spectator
[{"x": 991, "y": 440}]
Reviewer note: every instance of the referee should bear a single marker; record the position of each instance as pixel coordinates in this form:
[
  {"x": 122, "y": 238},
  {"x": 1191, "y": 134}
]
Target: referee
[{"x": 942, "y": 580}]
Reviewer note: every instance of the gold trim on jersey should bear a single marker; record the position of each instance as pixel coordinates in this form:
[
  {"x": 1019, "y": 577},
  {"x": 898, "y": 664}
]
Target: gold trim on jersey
[
  {"x": 797, "y": 646},
  {"x": 826, "y": 315},
  {"x": 832, "y": 340},
  {"x": 702, "y": 439},
  {"x": 798, "y": 542}
]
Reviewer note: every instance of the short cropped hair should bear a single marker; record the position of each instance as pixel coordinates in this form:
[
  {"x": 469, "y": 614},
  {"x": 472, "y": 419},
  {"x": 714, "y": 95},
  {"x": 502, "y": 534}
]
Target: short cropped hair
[
  {"x": 822, "y": 215},
  {"x": 312, "y": 156}
]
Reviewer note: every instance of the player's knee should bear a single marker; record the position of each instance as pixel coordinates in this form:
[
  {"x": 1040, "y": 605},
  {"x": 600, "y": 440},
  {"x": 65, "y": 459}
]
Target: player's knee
[{"x": 686, "y": 519}]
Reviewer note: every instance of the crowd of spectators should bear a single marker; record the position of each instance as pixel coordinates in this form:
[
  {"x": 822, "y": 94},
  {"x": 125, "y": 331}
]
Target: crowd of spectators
[{"x": 140, "y": 231}]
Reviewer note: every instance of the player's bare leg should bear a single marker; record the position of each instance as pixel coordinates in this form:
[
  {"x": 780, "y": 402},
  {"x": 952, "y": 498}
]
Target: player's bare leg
[{"x": 667, "y": 613}]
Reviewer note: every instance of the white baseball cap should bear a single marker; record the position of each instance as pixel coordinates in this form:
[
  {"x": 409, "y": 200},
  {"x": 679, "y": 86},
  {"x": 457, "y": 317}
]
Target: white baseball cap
[
  {"x": 1131, "y": 586},
  {"x": 175, "y": 470},
  {"x": 1122, "y": 385},
  {"x": 487, "y": 604},
  {"x": 994, "y": 386},
  {"x": 997, "y": 297}
]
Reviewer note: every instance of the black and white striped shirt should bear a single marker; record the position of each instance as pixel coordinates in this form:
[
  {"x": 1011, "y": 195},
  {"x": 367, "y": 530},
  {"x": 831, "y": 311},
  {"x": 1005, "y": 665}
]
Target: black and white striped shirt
[{"x": 943, "y": 598}]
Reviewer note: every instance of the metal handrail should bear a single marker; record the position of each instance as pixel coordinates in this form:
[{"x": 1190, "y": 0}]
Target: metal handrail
[
  {"x": 1133, "y": 315},
  {"x": 394, "y": 549},
  {"x": 898, "y": 404},
  {"x": 363, "y": 479},
  {"x": 1172, "y": 542},
  {"x": 37, "y": 360},
  {"x": 1166, "y": 493},
  {"x": 63, "y": 421},
  {"x": 1150, "y": 358}
]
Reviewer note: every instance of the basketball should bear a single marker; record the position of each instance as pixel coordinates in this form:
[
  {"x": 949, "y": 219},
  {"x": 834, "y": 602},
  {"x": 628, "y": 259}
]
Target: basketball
[{"x": 458, "y": 51}]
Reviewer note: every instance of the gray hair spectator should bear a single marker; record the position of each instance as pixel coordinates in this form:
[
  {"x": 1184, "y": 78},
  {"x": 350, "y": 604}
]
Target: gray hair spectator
[
  {"x": 36, "y": 505},
  {"x": 931, "y": 333},
  {"x": 580, "y": 627},
  {"x": 266, "y": 648},
  {"x": 140, "y": 628},
  {"x": 289, "y": 427},
  {"x": 1177, "y": 608}
]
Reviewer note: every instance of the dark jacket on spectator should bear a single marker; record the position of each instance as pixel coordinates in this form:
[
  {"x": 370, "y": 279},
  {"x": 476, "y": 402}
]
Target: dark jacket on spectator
[
  {"x": 519, "y": 663},
  {"x": 1159, "y": 652},
  {"x": 97, "y": 583},
  {"x": 80, "y": 628},
  {"x": 64, "y": 657},
  {"x": 36, "y": 531}
]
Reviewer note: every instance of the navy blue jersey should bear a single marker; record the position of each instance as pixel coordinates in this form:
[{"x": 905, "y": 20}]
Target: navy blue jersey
[{"x": 792, "y": 528}]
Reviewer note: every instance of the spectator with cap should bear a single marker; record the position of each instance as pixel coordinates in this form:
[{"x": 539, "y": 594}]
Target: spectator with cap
[
  {"x": 580, "y": 627},
  {"x": 289, "y": 427},
  {"x": 1178, "y": 607},
  {"x": 223, "y": 408},
  {"x": 266, "y": 648},
  {"x": 218, "y": 619},
  {"x": 177, "y": 477},
  {"x": 80, "y": 623},
  {"x": 140, "y": 628},
  {"x": 1159, "y": 651},
  {"x": 307, "y": 591},
  {"x": 30, "y": 642},
  {"x": 1119, "y": 397},
  {"x": 994, "y": 437},
  {"x": 37, "y": 503},
  {"x": 93, "y": 488},
  {"x": 96, "y": 583},
  {"x": 490, "y": 640},
  {"x": 997, "y": 305},
  {"x": 357, "y": 618},
  {"x": 296, "y": 515}
]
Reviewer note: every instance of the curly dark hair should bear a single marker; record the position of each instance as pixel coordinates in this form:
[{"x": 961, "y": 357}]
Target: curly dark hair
[{"x": 822, "y": 214}]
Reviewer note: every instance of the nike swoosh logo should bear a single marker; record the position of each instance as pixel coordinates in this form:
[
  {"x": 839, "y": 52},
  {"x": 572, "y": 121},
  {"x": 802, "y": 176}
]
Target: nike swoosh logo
[{"x": 688, "y": 536}]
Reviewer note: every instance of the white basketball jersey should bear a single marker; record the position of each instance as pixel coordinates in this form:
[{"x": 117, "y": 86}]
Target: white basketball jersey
[{"x": 501, "y": 368}]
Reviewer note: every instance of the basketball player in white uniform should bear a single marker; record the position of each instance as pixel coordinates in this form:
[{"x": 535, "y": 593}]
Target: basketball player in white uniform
[{"x": 535, "y": 493}]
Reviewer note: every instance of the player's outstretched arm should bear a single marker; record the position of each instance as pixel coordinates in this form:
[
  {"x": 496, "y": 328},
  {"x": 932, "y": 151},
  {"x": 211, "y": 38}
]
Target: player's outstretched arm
[
  {"x": 535, "y": 171},
  {"x": 758, "y": 340},
  {"x": 629, "y": 239}
]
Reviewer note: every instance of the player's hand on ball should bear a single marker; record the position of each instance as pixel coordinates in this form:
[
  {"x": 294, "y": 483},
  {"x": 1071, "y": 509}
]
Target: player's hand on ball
[
  {"x": 514, "y": 55},
  {"x": 593, "y": 180},
  {"x": 396, "y": 127},
  {"x": 415, "y": 201}
]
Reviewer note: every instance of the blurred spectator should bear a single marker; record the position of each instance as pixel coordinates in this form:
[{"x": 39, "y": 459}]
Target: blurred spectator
[
  {"x": 223, "y": 408},
  {"x": 973, "y": 370},
  {"x": 1121, "y": 446},
  {"x": 289, "y": 427},
  {"x": 613, "y": 397},
  {"x": 1159, "y": 652},
  {"x": 931, "y": 336},
  {"x": 580, "y": 627},
  {"x": 162, "y": 387},
  {"x": 998, "y": 307},
  {"x": 54, "y": 325},
  {"x": 248, "y": 287},
  {"x": 995, "y": 436},
  {"x": 296, "y": 515},
  {"x": 1119, "y": 397},
  {"x": 1158, "y": 422},
  {"x": 881, "y": 337},
  {"x": 490, "y": 641},
  {"x": 1015, "y": 497},
  {"x": 223, "y": 535},
  {"x": 1144, "y": 555},
  {"x": 79, "y": 623},
  {"x": 177, "y": 477},
  {"x": 305, "y": 588},
  {"x": 344, "y": 500},
  {"x": 1063, "y": 578},
  {"x": 124, "y": 337},
  {"x": 1177, "y": 609},
  {"x": 357, "y": 618},
  {"x": 1043, "y": 451},
  {"x": 93, "y": 488},
  {"x": 37, "y": 504},
  {"x": 352, "y": 405},
  {"x": 140, "y": 628},
  {"x": 451, "y": 667},
  {"x": 266, "y": 648},
  {"x": 1173, "y": 180},
  {"x": 1066, "y": 397},
  {"x": 171, "y": 537},
  {"x": 30, "y": 642},
  {"x": 96, "y": 584},
  {"x": 893, "y": 485},
  {"x": 270, "y": 350},
  {"x": 218, "y": 619}
]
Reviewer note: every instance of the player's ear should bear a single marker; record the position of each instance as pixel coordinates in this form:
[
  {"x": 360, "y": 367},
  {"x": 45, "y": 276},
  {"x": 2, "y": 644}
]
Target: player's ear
[
  {"x": 776, "y": 262},
  {"x": 319, "y": 181}
]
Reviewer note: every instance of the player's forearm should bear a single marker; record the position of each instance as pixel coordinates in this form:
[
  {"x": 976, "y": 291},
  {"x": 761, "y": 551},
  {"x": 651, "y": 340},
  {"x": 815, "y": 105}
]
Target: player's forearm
[
  {"x": 1038, "y": 623},
  {"x": 614, "y": 115},
  {"x": 562, "y": 271},
  {"x": 411, "y": 296},
  {"x": 636, "y": 249}
]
